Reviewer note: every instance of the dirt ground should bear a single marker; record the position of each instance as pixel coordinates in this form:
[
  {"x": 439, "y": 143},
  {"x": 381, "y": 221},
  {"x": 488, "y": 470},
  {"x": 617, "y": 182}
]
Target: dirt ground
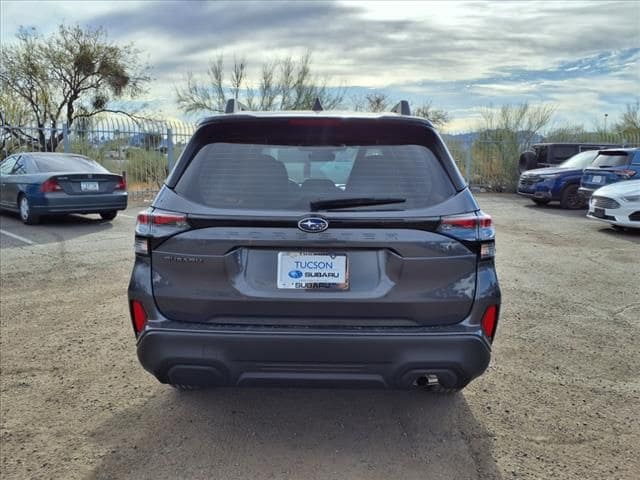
[{"x": 560, "y": 400}]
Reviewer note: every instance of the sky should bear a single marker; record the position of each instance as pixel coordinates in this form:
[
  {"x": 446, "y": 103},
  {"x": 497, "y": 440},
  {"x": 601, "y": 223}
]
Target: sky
[{"x": 582, "y": 57}]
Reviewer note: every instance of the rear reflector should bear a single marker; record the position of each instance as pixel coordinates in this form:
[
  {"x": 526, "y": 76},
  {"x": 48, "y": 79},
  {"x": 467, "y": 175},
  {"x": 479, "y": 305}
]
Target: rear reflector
[
  {"x": 489, "y": 321},
  {"x": 50, "y": 185},
  {"x": 139, "y": 316}
]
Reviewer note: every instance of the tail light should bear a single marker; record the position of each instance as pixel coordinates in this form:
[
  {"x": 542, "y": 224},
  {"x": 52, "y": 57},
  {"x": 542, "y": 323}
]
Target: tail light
[
  {"x": 122, "y": 184},
  {"x": 138, "y": 316},
  {"x": 471, "y": 227},
  {"x": 625, "y": 174},
  {"x": 50, "y": 185},
  {"x": 490, "y": 321},
  {"x": 154, "y": 223}
]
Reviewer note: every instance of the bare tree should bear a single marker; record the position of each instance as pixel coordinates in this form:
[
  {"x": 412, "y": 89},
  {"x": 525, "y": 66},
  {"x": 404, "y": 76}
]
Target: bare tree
[
  {"x": 73, "y": 73},
  {"x": 629, "y": 124},
  {"x": 436, "y": 116},
  {"x": 285, "y": 84}
]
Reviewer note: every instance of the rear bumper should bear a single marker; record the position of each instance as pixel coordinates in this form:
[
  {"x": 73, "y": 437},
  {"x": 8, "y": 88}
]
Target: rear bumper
[
  {"x": 259, "y": 357},
  {"x": 62, "y": 203}
]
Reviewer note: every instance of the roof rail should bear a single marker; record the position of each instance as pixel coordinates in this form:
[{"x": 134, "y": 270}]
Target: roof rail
[
  {"x": 234, "y": 106},
  {"x": 317, "y": 106},
  {"x": 402, "y": 108}
]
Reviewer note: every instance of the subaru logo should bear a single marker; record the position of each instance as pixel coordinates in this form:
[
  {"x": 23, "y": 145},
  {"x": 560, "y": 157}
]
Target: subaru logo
[
  {"x": 295, "y": 274},
  {"x": 313, "y": 224}
]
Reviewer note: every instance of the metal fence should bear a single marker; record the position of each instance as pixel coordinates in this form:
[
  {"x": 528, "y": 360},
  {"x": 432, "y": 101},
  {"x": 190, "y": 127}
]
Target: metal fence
[{"x": 143, "y": 150}]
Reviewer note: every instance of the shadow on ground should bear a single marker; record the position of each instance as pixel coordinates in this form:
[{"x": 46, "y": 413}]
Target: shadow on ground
[
  {"x": 310, "y": 434},
  {"x": 54, "y": 228}
]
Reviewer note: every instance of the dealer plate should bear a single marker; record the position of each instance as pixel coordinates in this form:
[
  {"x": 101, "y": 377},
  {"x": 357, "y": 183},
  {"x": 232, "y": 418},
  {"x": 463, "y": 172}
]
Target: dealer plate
[{"x": 312, "y": 271}]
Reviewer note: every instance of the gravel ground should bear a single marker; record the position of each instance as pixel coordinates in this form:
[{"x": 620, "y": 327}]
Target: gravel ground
[{"x": 560, "y": 399}]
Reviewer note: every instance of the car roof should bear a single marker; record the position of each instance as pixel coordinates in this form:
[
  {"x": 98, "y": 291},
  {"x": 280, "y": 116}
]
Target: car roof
[
  {"x": 51, "y": 154},
  {"x": 311, "y": 114}
]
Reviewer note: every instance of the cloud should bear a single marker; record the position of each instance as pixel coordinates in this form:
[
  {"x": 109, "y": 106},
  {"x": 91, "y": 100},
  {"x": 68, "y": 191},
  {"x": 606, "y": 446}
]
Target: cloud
[{"x": 460, "y": 54}]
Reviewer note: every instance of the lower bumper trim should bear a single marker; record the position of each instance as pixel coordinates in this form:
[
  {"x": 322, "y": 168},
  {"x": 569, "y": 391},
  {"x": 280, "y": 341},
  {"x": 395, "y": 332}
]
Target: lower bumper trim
[{"x": 311, "y": 359}]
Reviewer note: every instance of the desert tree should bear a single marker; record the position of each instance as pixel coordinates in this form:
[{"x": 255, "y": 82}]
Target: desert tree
[{"x": 67, "y": 77}]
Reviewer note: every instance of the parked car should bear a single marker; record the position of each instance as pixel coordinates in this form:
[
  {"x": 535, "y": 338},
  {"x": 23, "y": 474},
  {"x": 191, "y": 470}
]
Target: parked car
[
  {"x": 382, "y": 278},
  {"x": 617, "y": 204},
  {"x": 609, "y": 167},
  {"x": 557, "y": 184},
  {"x": 37, "y": 183},
  {"x": 542, "y": 155}
]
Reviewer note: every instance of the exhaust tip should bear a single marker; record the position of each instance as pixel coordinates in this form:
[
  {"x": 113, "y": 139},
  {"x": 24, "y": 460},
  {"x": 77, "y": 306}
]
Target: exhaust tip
[{"x": 426, "y": 381}]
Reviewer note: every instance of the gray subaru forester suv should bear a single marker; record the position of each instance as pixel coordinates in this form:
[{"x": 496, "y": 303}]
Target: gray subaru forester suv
[{"x": 315, "y": 249}]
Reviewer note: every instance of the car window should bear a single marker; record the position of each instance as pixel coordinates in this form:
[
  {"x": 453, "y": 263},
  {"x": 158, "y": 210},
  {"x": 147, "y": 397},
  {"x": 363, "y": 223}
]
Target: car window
[
  {"x": 636, "y": 158},
  {"x": 66, "y": 163},
  {"x": 580, "y": 160},
  {"x": 19, "y": 167},
  {"x": 611, "y": 159},
  {"x": 7, "y": 165},
  {"x": 561, "y": 152},
  {"x": 264, "y": 177}
]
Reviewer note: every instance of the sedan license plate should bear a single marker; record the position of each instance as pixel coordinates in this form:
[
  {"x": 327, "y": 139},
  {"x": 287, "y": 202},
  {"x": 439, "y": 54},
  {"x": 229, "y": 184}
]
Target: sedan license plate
[
  {"x": 89, "y": 186},
  {"x": 597, "y": 179},
  {"x": 598, "y": 212},
  {"x": 305, "y": 271}
]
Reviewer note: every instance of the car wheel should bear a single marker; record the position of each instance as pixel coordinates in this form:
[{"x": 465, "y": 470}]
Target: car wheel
[
  {"x": 26, "y": 214},
  {"x": 109, "y": 215},
  {"x": 528, "y": 161},
  {"x": 540, "y": 201},
  {"x": 571, "y": 199}
]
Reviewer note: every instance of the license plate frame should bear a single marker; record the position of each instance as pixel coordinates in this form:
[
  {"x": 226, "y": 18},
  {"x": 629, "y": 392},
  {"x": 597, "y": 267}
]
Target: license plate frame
[
  {"x": 314, "y": 271},
  {"x": 89, "y": 187},
  {"x": 597, "y": 179},
  {"x": 599, "y": 212}
]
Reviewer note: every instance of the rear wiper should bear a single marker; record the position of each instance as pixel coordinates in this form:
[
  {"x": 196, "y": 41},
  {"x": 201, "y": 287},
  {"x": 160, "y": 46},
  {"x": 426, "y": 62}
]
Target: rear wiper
[{"x": 353, "y": 202}]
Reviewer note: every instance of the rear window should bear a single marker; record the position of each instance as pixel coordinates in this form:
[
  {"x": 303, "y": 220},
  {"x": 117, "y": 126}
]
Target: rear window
[
  {"x": 611, "y": 159},
  {"x": 66, "y": 163},
  {"x": 277, "y": 176}
]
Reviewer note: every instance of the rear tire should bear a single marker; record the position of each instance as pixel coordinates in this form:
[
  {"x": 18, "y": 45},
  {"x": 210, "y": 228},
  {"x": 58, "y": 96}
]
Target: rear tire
[
  {"x": 540, "y": 201},
  {"x": 528, "y": 161},
  {"x": 26, "y": 213},
  {"x": 109, "y": 215},
  {"x": 571, "y": 199}
]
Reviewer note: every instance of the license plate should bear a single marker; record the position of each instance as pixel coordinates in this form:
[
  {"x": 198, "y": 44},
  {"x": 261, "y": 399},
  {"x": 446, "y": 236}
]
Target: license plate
[
  {"x": 598, "y": 212},
  {"x": 305, "y": 271},
  {"x": 597, "y": 179},
  {"x": 89, "y": 186}
]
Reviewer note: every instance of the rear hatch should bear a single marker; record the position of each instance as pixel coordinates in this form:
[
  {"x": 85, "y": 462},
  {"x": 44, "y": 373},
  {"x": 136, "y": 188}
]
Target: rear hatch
[
  {"x": 609, "y": 167},
  {"x": 315, "y": 223}
]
